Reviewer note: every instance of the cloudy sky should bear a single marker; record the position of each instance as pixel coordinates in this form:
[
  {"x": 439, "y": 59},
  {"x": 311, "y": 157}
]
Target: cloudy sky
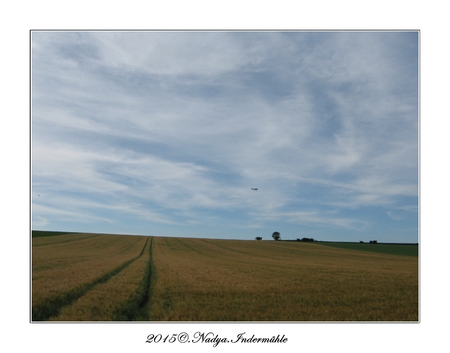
[{"x": 165, "y": 133}]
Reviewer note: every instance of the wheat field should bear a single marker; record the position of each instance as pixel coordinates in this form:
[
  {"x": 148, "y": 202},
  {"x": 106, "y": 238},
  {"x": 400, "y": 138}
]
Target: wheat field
[
  {"x": 66, "y": 267},
  {"x": 215, "y": 280},
  {"x": 89, "y": 277}
]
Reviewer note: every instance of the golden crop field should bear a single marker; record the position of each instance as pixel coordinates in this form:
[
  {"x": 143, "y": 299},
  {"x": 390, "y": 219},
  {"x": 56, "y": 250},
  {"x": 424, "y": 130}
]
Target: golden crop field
[
  {"x": 68, "y": 267},
  {"x": 180, "y": 279},
  {"x": 199, "y": 279}
]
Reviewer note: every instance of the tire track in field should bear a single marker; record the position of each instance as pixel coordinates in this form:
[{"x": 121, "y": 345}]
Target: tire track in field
[
  {"x": 53, "y": 306},
  {"x": 137, "y": 308}
]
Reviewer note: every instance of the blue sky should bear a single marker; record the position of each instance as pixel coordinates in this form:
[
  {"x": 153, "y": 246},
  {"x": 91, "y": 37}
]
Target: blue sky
[{"x": 165, "y": 133}]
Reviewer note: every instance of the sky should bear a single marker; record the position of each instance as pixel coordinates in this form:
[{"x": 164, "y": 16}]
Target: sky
[{"x": 166, "y": 133}]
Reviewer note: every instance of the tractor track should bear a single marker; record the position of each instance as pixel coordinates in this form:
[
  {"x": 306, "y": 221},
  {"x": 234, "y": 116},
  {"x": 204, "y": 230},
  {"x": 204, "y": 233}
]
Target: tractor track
[
  {"x": 137, "y": 308},
  {"x": 52, "y": 307}
]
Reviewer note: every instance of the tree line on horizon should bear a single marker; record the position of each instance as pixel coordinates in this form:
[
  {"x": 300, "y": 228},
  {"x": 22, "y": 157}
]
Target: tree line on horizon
[{"x": 277, "y": 237}]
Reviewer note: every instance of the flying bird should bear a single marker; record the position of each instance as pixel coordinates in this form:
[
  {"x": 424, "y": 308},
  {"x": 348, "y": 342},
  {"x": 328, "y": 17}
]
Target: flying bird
[{"x": 254, "y": 188}]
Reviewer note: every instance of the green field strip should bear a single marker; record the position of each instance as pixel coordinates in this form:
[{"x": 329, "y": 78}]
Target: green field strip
[
  {"x": 136, "y": 309},
  {"x": 381, "y": 248},
  {"x": 44, "y": 233},
  {"x": 52, "y": 307}
]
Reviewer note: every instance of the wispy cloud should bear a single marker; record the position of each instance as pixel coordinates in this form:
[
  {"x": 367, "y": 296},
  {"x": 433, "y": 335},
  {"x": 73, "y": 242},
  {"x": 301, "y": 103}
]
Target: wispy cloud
[{"x": 174, "y": 128}]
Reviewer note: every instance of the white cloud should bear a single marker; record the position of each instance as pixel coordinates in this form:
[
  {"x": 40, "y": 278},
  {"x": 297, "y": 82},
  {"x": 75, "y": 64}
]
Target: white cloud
[
  {"x": 175, "y": 53},
  {"x": 64, "y": 215},
  {"x": 174, "y": 123}
]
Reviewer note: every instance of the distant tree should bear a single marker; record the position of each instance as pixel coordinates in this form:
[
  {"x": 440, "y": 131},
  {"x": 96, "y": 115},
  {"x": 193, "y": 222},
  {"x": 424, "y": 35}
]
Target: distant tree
[
  {"x": 276, "y": 236},
  {"x": 258, "y": 238},
  {"x": 307, "y": 239}
]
